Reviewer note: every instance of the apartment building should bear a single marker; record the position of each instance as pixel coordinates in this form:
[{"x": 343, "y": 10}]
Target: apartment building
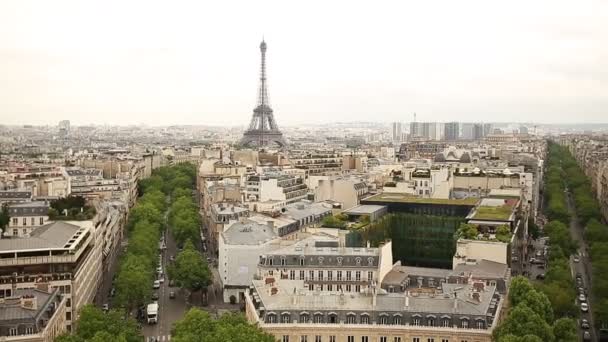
[
  {"x": 11, "y": 196},
  {"x": 26, "y": 216},
  {"x": 90, "y": 183},
  {"x": 317, "y": 162},
  {"x": 323, "y": 265},
  {"x": 275, "y": 186},
  {"x": 66, "y": 255},
  {"x": 347, "y": 191},
  {"x": 32, "y": 315},
  {"x": 450, "y": 312}
]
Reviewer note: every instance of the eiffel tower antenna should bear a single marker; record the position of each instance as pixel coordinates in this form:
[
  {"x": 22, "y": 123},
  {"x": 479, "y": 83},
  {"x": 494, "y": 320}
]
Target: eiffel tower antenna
[{"x": 263, "y": 129}]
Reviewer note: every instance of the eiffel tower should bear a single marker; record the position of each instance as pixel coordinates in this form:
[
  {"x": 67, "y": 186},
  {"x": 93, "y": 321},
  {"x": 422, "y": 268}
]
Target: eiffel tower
[{"x": 263, "y": 129}]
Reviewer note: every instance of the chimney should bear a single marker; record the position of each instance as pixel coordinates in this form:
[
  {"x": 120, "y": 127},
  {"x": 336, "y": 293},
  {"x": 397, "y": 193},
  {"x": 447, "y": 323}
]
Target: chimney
[
  {"x": 368, "y": 244},
  {"x": 455, "y": 301},
  {"x": 374, "y": 297},
  {"x": 294, "y": 297},
  {"x": 29, "y": 302},
  {"x": 407, "y": 299}
]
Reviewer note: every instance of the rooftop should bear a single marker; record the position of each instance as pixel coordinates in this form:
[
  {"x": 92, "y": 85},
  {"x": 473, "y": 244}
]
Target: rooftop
[
  {"x": 405, "y": 198},
  {"x": 12, "y": 309},
  {"x": 494, "y": 209},
  {"x": 36, "y": 208},
  {"x": 248, "y": 232},
  {"x": 364, "y": 209},
  {"x": 55, "y": 235}
]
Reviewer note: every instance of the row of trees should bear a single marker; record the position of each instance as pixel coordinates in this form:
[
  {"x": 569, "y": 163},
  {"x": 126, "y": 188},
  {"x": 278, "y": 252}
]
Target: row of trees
[
  {"x": 596, "y": 233},
  {"x": 94, "y": 325},
  {"x": 531, "y": 318}
]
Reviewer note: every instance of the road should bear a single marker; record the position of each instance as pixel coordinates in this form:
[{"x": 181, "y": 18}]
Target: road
[
  {"x": 170, "y": 310},
  {"x": 584, "y": 265}
]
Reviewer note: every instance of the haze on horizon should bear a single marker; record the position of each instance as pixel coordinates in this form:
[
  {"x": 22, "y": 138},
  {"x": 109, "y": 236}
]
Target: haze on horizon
[{"x": 197, "y": 62}]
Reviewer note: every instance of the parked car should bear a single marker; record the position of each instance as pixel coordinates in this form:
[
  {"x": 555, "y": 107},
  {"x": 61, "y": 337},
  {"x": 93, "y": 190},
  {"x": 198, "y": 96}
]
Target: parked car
[
  {"x": 582, "y": 298},
  {"x": 172, "y": 295},
  {"x": 586, "y": 336},
  {"x": 514, "y": 259},
  {"x": 172, "y": 258},
  {"x": 539, "y": 254},
  {"x": 584, "y": 307},
  {"x": 171, "y": 283},
  {"x": 584, "y": 324},
  {"x": 576, "y": 258},
  {"x": 156, "y": 285},
  {"x": 155, "y": 296},
  {"x": 161, "y": 279}
]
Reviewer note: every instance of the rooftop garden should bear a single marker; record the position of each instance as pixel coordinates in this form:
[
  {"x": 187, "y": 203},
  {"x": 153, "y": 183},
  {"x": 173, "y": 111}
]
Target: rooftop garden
[
  {"x": 71, "y": 208},
  {"x": 471, "y": 232},
  {"x": 404, "y": 198},
  {"x": 502, "y": 213}
]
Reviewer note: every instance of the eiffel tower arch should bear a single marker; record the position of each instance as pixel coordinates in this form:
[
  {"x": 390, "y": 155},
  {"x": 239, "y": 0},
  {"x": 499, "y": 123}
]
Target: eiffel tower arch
[{"x": 263, "y": 129}]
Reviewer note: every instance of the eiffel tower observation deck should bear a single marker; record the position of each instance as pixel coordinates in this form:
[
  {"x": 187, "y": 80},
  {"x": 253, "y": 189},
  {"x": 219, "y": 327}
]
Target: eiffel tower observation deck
[{"x": 263, "y": 129}]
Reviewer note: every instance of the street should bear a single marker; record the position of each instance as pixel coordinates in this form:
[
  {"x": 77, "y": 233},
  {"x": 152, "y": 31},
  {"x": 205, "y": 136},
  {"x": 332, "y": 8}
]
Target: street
[
  {"x": 582, "y": 267},
  {"x": 170, "y": 310}
]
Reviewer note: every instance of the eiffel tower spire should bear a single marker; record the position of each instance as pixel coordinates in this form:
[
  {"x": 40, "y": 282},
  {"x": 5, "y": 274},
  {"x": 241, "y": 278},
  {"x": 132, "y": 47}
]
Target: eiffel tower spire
[{"x": 263, "y": 129}]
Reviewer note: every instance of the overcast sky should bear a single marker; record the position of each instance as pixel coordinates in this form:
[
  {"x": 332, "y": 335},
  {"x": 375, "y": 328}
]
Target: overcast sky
[{"x": 197, "y": 62}]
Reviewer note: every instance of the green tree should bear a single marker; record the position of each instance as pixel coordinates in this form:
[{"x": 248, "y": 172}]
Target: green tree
[
  {"x": 519, "y": 289},
  {"x": 94, "y": 324},
  {"x": 503, "y": 233},
  {"x": 198, "y": 326},
  {"x": 190, "y": 270},
  {"x": 540, "y": 304},
  {"x": 468, "y": 231},
  {"x": 524, "y": 321},
  {"x": 564, "y": 330},
  {"x": 134, "y": 282}
]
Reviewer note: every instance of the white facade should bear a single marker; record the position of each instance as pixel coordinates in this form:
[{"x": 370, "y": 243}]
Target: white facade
[{"x": 479, "y": 250}]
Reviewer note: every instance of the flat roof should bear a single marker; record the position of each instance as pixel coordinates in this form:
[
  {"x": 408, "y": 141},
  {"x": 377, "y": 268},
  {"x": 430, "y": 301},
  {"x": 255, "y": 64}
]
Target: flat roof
[
  {"x": 55, "y": 235},
  {"x": 363, "y": 209},
  {"x": 406, "y": 198}
]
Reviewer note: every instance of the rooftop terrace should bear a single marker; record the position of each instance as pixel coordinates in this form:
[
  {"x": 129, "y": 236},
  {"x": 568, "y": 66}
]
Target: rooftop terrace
[{"x": 405, "y": 198}]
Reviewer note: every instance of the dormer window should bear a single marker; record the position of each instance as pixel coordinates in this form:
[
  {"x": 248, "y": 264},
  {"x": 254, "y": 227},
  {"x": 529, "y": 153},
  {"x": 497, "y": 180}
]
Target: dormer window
[
  {"x": 370, "y": 261},
  {"x": 339, "y": 259},
  {"x": 358, "y": 261},
  {"x": 282, "y": 260},
  {"x": 301, "y": 260},
  {"x": 320, "y": 260}
]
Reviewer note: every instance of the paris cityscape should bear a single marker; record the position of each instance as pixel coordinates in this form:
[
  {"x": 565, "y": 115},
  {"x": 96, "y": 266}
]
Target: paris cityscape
[{"x": 148, "y": 197}]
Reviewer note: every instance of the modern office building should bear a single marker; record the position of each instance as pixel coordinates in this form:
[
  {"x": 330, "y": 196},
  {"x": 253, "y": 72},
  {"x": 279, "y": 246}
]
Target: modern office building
[{"x": 451, "y": 131}]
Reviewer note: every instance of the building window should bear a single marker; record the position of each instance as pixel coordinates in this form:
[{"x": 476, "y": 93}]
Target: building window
[
  {"x": 332, "y": 338},
  {"x": 465, "y": 323},
  {"x": 292, "y": 274},
  {"x": 285, "y": 318},
  {"x": 480, "y": 324},
  {"x": 397, "y": 339},
  {"x": 318, "y": 318},
  {"x": 397, "y": 320},
  {"x": 271, "y": 318},
  {"x": 15, "y": 221},
  {"x": 350, "y": 339},
  {"x": 67, "y": 288},
  {"x": 370, "y": 276},
  {"x": 311, "y": 275},
  {"x": 282, "y": 261},
  {"x": 25, "y": 221},
  {"x": 358, "y": 261},
  {"x": 304, "y": 318},
  {"x": 430, "y": 340},
  {"x": 301, "y": 275},
  {"x": 383, "y": 319},
  {"x": 318, "y": 338},
  {"x": 383, "y": 339},
  {"x": 348, "y": 275},
  {"x": 29, "y": 330},
  {"x": 445, "y": 340},
  {"x": 332, "y": 318},
  {"x": 430, "y": 322},
  {"x": 285, "y": 338},
  {"x": 364, "y": 339},
  {"x": 68, "y": 315},
  {"x": 364, "y": 319},
  {"x": 32, "y": 221},
  {"x": 348, "y": 288},
  {"x": 320, "y": 275},
  {"x": 15, "y": 232},
  {"x": 270, "y": 261},
  {"x": 301, "y": 261},
  {"x": 320, "y": 260},
  {"x": 329, "y": 287},
  {"x": 24, "y": 231},
  {"x": 445, "y": 322},
  {"x": 339, "y": 259},
  {"x": 41, "y": 221},
  {"x": 416, "y": 321},
  {"x": 304, "y": 338},
  {"x": 339, "y": 275},
  {"x": 12, "y": 332},
  {"x": 351, "y": 319},
  {"x": 358, "y": 276},
  {"x": 357, "y": 288},
  {"x": 330, "y": 275},
  {"x": 416, "y": 339}
]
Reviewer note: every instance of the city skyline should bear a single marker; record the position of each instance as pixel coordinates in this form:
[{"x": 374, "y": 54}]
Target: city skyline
[{"x": 187, "y": 64}]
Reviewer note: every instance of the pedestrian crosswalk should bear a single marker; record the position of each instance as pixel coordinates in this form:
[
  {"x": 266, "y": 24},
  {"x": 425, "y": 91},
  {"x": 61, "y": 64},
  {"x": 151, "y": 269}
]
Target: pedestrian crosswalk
[{"x": 160, "y": 338}]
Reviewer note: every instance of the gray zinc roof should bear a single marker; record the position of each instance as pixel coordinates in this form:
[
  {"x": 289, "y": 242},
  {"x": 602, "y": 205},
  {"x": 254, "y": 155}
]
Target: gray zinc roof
[
  {"x": 52, "y": 235},
  {"x": 248, "y": 233}
]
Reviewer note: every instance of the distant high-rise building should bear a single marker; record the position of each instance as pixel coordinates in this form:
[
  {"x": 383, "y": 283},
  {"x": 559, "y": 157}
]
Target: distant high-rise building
[
  {"x": 487, "y": 129},
  {"x": 467, "y": 131},
  {"x": 451, "y": 131},
  {"x": 478, "y": 130},
  {"x": 64, "y": 127},
  {"x": 397, "y": 132},
  {"x": 415, "y": 129}
]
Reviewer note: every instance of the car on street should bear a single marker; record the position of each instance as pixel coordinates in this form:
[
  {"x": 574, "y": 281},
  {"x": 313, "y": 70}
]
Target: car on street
[
  {"x": 172, "y": 295},
  {"x": 584, "y": 324},
  {"x": 584, "y": 307},
  {"x": 582, "y": 298},
  {"x": 161, "y": 279},
  {"x": 155, "y": 296},
  {"x": 586, "y": 336},
  {"x": 171, "y": 283},
  {"x": 156, "y": 285},
  {"x": 576, "y": 258},
  {"x": 172, "y": 258},
  {"x": 539, "y": 254},
  {"x": 159, "y": 269},
  {"x": 514, "y": 259}
]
